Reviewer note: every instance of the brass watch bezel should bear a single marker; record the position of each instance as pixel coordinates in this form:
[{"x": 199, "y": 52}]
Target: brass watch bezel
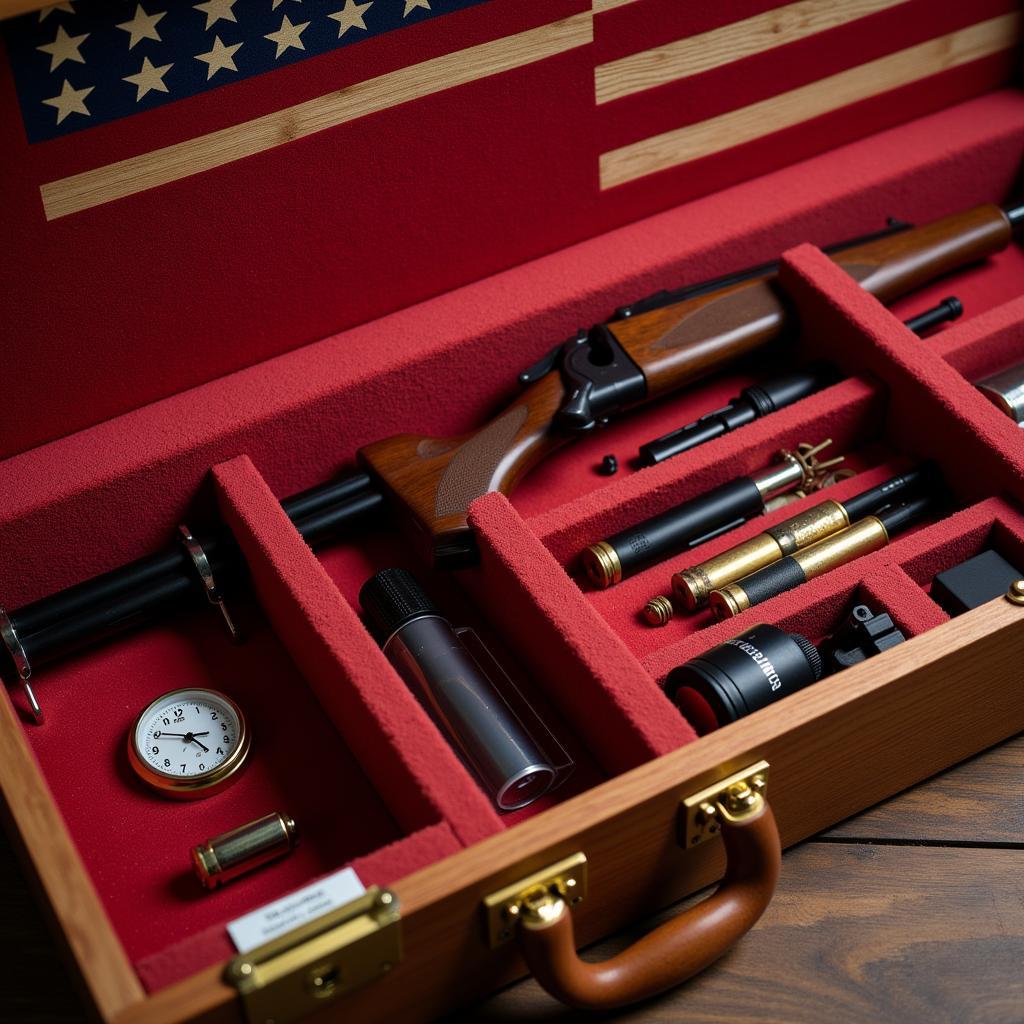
[{"x": 196, "y": 787}]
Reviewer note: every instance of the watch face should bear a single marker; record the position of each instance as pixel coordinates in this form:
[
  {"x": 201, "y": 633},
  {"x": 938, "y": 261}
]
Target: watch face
[{"x": 188, "y": 740}]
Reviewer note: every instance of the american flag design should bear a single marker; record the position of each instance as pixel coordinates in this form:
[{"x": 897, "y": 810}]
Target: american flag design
[
  {"x": 193, "y": 186},
  {"x": 84, "y": 62}
]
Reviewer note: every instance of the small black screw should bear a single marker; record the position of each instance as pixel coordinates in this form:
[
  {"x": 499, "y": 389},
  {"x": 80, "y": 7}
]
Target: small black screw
[{"x": 609, "y": 466}]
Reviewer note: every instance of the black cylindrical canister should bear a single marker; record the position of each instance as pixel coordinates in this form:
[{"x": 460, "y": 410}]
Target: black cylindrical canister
[{"x": 744, "y": 674}]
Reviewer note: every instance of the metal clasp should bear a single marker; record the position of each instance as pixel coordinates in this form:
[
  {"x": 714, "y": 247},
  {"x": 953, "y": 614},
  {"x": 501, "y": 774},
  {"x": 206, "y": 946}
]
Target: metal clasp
[
  {"x": 10, "y": 639},
  {"x": 733, "y": 799},
  {"x": 297, "y": 973},
  {"x": 205, "y": 573},
  {"x": 566, "y": 880}
]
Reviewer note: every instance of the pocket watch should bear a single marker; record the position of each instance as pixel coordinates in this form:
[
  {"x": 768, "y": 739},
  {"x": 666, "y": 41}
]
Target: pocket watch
[{"x": 189, "y": 743}]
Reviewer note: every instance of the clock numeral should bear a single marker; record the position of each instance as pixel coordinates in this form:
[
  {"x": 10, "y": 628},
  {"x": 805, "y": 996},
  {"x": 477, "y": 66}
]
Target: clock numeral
[
  {"x": 183, "y": 769},
  {"x": 167, "y": 762},
  {"x": 156, "y": 750},
  {"x": 224, "y": 726},
  {"x": 219, "y": 751},
  {"x": 202, "y": 767},
  {"x": 167, "y": 721},
  {"x": 213, "y": 716}
]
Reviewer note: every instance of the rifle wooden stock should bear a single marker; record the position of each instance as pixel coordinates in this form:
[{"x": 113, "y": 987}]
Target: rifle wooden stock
[{"x": 435, "y": 479}]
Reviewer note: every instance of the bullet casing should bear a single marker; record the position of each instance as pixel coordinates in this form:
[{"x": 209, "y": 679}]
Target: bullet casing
[
  {"x": 223, "y": 858},
  {"x": 863, "y": 537},
  {"x": 693, "y": 586}
]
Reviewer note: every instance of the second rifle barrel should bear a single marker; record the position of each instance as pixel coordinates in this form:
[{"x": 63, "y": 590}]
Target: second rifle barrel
[{"x": 88, "y": 611}]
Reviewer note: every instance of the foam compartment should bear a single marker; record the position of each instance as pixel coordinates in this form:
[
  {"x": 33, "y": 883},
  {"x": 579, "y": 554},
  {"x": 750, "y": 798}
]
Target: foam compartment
[{"x": 340, "y": 741}]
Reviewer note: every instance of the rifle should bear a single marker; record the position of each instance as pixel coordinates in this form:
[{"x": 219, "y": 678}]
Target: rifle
[
  {"x": 654, "y": 350},
  {"x": 647, "y": 350}
]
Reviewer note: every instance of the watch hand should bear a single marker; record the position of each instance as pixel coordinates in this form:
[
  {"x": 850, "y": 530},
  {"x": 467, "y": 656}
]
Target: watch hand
[
  {"x": 194, "y": 740},
  {"x": 182, "y": 735}
]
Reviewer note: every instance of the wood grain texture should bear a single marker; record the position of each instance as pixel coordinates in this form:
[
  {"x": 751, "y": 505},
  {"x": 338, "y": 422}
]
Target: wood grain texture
[
  {"x": 31, "y": 814},
  {"x": 138, "y": 173},
  {"x": 734, "y": 41},
  {"x": 855, "y": 933},
  {"x": 810, "y": 916},
  {"x": 834, "y": 748},
  {"x": 677, "y": 344},
  {"x": 979, "y": 803},
  {"x": 757, "y": 120}
]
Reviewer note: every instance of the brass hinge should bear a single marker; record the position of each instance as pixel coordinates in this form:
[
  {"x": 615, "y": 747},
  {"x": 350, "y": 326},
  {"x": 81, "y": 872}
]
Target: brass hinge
[
  {"x": 567, "y": 879},
  {"x": 297, "y": 973},
  {"x": 734, "y": 797}
]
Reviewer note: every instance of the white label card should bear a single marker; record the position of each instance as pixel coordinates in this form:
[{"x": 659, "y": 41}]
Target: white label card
[{"x": 296, "y": 908}]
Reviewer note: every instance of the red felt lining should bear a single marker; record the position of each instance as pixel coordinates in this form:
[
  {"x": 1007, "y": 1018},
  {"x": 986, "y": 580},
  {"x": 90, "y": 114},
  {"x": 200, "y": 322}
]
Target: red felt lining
[
  {"x": 372, "y": 710},
  {"x": 350, "y": 563},
  {"x": 301, "y": 416},
  {"x": 989, "y": 343},
  {"x": 135, "y": 844}
]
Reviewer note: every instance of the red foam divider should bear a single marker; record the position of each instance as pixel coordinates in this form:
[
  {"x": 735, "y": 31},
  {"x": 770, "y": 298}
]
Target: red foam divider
[
  {"x": 413, "y": 767},
  {"x": 134, "y": 843},
  {"x": 845, "y": 412},
  {"x": 598, "y": 685},
  {"x": 994, "y": 522},
  {"x": 621, "y": 605},
  {"x": 815, "y": 607},
  {"x": 382, "y": 867},
  {"x": 302, "y": 415},
  {"x": 988, "y": 343},
  {"x": 933, "y": 411},
  {"x": 891, "y": 589}
]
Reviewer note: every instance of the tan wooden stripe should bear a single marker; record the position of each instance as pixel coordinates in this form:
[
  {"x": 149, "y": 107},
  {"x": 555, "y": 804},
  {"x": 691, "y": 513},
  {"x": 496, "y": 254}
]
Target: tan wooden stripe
[
  {"x": 136, "y": 174},
  {"x": 597, "y": 6},
  {"x": 692, "y": 142},
  {"x": 695, "y": 54}
]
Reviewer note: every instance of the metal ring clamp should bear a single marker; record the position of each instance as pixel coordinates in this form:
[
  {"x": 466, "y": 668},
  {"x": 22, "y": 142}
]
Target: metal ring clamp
[
  {"x": 202, "y": 566},
  {"x": 9, "y": 635}
]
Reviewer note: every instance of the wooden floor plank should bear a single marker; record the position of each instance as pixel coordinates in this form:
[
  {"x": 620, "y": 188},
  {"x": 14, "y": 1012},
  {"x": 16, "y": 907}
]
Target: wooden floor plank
[
  {"x": 979, "y": 802},
  {"x": 855, "y": 933}
]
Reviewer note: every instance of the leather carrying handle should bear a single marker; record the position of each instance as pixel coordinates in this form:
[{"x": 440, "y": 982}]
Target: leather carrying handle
[{"x": 674, "y": 951}]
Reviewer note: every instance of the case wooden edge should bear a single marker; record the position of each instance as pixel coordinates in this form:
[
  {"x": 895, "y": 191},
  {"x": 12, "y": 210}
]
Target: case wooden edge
[
  {"x": 39, "y": 833},
  {"x": 816, "y": 742}
]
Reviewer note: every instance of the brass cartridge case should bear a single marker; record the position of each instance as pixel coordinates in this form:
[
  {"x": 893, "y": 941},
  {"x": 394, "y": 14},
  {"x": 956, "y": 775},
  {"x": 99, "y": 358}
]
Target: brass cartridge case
[
  {"x": 863, "y": 537},
  {"x": 693, "y": 586},
  {"x": 225, "y": 857}
]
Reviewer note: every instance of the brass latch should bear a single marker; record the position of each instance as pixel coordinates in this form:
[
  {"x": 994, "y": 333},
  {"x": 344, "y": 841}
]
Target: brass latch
[
  {"x": 733, "y": 798},
  {"x": 567, "y": 879},
  {"x": 290, "y": 976}
]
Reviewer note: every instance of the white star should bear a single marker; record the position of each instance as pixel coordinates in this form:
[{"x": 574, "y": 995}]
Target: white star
[
  {"x": 215, "y": 10},
  {"x": 350, "y": 16},
  {"x": 149, "y": 79},
  {"x": 70, "y": 101},
  {"x": 287, "y": 35},
  {"x": 64, "y": 47},
  {"x": 47, "y": 11},
  {"x": 142, "y": 26},
  {"x": 411, "y": 5},
  {"x": 220, "y": 56}
]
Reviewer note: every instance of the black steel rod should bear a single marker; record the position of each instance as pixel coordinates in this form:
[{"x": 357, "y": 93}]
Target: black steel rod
[{"x": 107, "y": 604}]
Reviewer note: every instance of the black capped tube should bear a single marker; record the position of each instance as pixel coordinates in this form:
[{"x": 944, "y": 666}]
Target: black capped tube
[{"x": 428, "y": 654}]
